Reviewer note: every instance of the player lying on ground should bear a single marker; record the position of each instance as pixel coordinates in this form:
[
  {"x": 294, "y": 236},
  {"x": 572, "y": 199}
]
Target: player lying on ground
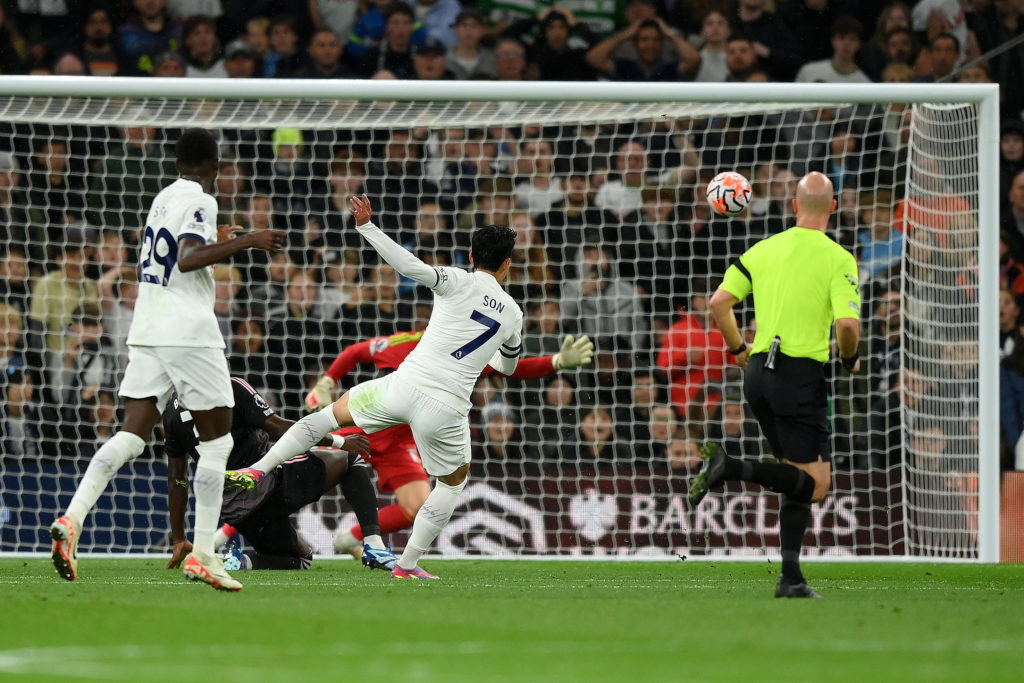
[
  {"x": 393, "y": 452},
  {"x": 262, "y": 514},
  {"x": 474, "y": 323},
  {"x": 174, "y": 344}
]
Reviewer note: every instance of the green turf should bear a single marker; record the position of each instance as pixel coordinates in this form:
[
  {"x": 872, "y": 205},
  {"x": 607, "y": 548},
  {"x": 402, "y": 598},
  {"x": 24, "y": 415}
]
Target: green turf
[{"x": 131, "y": 620}]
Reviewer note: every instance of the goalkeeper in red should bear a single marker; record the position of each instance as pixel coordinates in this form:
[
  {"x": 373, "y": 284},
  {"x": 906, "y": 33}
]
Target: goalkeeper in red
[
  {"x": 393, "y": 453},
  {"x": 474, "y": 323}
]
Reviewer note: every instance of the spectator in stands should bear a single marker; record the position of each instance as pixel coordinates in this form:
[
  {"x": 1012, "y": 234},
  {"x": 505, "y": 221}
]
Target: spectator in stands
[
  {"x": 663, "y": 426},
  {"x": 693, "y": 352},
  {"x": 622, "y": 193},
  {"x": 501, "y": 437},
  {"x": 510, "y": 60},
  {"x": 880, "y": 246},
  {"x": 438, "y": 18},
  {"x": 683, "y": 455},
  {"x": 57, "y": 295},
  {"x": 537, "y": 188},
  {"x": 287, "y": 178},
  {"x": 53, "y": 195},
  {"x": 809, "y": 21},
  {"x": 109, "y": 253},
  {"x": 935, "y": 17},
  {"x": 257, "y": 36},
  {"x": 892, "y": 30},
  {"x": 715, "y": 31},
  {"x": 552, "y": 425},
  {"x": 571, "y": 222},
  {"x": 774, "y": 40},
  {"x": 396, "y": 175},
  {"x": 337, "y": 16},
  {"x": 268, "y": 287},
  {"x": 930, "y": 203},
  {"x": 997, "y": 24},
  {"x": 340, "y": 285},
  {"x": 201, "y": 48},
  {"x": 632, "y": 419},
  {"x": 646, "y": 244},
  {"x": 841, "y": 67},
  {"x": 325, "y": 56},
  {"x": 13, "y": 48},
  {"x": 286, "y": 58},
  {"x": 14, "y": 289},
  {"x": 740, "y": 58},
  {"x": 428, "y": 61},
  {"x": 376, "y": 311},
  {"x": 1011, "y": 397},
  {"x": 529, "y": 277},
  {"x": 98, "y": 50},
  {"x": 118, "y": 290},
  {"x": 732, "y": 428},
  {"x": 465, "y": 167},
  {"x": 69, "y": 64},
  {"x": 150, "y": 32},
  {"x": 127, "y": 180},
  {"x": 1013, "y": 218},
  {"x": 544, "y": 327},
  {"x": 247, "y": 356},
  {"x": 296, "y": 340},
  {"x": 1011, "y": 156},
  {"x": 595, "y": 445},
  {"x": 86, "y": 364},
  {"x": 602, "y": 305},
  {"x": 1009, "y": 321},
  {"x": 393, "y": 54},
  {"x": 19, "y": 433},
  {"x": 468, "y": 59},
  {"x": 941, "y": 58},
  {"x": 886, "y": 341},
  {"x": 843, "y": 164},
  {"x": 552, "y": 56},
  {"x": 11, "y": 324},
  {"x": 227, "y": 285},
  {"x": 1011, "y": 273},
  {"x": 368, "y": 32},
  {"x": 240, "y": 60},
  {"x": 979, "y": 73},
  {"x": 170, "y": 65},
  {"x": 648, "y": 37}
]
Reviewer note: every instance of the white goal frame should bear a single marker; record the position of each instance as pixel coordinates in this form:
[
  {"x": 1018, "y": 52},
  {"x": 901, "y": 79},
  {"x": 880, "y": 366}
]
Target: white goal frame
[{"x": 984, "y": 96}]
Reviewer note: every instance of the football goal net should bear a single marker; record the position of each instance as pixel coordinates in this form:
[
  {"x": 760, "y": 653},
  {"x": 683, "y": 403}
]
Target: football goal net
[{"x": 604, "y": 184}]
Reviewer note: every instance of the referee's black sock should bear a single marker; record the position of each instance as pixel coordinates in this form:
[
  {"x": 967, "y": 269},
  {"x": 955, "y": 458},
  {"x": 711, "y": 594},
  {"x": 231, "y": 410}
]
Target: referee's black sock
[
  {"x": 793, "y": 518},
  {"x": 359, "y": 493},
  {"x": 779, "y": 477}
]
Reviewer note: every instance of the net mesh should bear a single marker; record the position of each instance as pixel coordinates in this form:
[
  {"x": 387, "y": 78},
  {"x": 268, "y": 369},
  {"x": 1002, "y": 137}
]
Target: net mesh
[{"x": 616, "y": 242}]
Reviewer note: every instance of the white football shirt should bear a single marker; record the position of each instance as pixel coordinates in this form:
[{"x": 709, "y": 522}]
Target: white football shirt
[
  {"x": 474, "y": 323},
  {"x": 175, "y": 308}
]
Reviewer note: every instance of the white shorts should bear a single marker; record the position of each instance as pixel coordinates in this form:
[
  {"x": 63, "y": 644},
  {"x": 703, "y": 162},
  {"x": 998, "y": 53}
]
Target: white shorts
[
  {"x": 199, "y": 375},
  {"x": 441, "y": 434}
]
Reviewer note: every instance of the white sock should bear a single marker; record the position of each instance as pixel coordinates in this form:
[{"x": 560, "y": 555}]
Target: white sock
[
  {"x": 299, "y": 438},
  {"x": 208, "y": 487},
  {"x": 432, "y": 517},
  {"x": 118, "y": 450},
  {"x": 374, "y": 541}
]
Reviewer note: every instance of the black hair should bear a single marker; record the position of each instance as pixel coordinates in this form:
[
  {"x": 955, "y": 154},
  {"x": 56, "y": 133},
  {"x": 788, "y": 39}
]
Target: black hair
[
  {"x": 846, "y": 25},
  {"x": 196, "y": 147},
  {"x": 491, "y": 245},
  {"x": 948, "y": 36},
  {"x": 399, "y": 7}
]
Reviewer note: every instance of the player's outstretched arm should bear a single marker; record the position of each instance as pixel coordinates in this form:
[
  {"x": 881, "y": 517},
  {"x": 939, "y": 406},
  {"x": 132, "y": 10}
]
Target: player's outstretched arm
[
  {"x": 177, "y": 501},
  {"x": 396, "y": 256},
  {"x": 193, "y": 254}
]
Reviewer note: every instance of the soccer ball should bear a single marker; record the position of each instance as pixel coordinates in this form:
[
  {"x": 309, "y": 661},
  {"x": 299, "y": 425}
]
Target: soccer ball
[{"x": 729, "y": 193}]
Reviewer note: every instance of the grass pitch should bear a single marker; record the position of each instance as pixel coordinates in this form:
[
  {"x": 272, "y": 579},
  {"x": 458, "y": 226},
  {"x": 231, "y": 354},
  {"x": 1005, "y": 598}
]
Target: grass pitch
[{"x": 132, "y": 620}]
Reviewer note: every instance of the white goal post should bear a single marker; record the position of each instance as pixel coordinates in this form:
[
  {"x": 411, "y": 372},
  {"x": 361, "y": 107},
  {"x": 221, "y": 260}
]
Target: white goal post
[{"x": 921, "y": 155}]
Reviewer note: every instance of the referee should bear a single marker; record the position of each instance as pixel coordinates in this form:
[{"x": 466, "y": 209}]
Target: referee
[{"x": 802, "y": 281}]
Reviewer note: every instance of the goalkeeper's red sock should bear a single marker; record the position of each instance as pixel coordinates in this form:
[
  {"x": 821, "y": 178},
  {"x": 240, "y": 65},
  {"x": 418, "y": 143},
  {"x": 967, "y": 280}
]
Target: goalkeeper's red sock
[{"x": 392, "y": 518}]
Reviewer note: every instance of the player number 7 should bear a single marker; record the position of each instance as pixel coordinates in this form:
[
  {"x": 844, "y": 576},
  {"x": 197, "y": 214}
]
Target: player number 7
[{"x": 492, "y": 326}]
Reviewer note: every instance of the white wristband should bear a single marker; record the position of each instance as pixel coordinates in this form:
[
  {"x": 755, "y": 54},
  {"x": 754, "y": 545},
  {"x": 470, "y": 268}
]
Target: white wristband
[{"x": 338, "y": 441}]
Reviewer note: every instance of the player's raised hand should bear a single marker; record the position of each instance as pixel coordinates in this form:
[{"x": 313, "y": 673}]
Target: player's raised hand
[
  {"x": 360, "y": 207},
  {"x": 358, "y": 443},
  {"x": 181, "y": 551},
  {"x": 321, "y": 395},
  {"x": 267, "y": 240},
  {"x": 574, "y": 353},
  {"x": 227, "y": 232}
]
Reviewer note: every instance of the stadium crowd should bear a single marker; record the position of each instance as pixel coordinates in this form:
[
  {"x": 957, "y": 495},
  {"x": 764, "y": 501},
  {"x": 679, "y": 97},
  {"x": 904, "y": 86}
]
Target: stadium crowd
[{"x": 616, "y": 241}]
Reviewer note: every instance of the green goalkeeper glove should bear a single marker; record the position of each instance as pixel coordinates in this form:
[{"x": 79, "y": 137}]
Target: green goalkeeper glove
[
  {"x": 322, "y": 394},
  {"x": 574, "y": 354}
]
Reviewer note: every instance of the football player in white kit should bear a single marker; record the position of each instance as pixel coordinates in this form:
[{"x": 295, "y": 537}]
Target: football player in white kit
[
  {"x": 174, "y": 344},
  {"x": 474, "y": 323}
]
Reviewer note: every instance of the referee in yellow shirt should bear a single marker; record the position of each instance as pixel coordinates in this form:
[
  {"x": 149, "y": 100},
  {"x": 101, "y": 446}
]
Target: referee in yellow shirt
[{"x": 802, "y": 282}]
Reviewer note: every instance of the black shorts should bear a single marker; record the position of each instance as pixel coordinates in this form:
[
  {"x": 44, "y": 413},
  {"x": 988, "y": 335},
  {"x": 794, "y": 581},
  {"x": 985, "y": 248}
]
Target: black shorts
[
  {"x": 791, "y": 405},
  {"x": 281, "y": 492}
]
